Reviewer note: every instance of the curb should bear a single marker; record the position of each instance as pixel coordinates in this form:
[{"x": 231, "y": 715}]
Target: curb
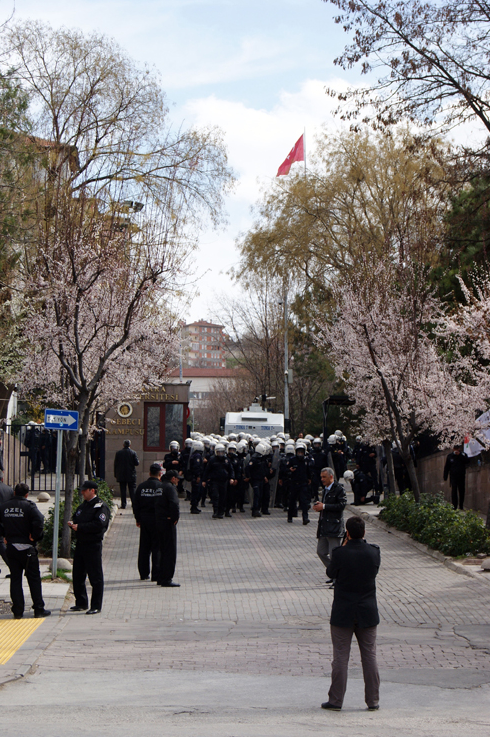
[
  {"x": 32, "y": 655},
  {"x": 446, "y": 560}
]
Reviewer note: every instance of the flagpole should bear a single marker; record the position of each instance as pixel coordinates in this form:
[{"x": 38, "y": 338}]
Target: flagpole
[{"x": 304, "y": 147}]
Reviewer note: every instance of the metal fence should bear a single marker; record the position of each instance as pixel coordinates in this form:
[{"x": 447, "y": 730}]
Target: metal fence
[{"x": 28, "y": 454}]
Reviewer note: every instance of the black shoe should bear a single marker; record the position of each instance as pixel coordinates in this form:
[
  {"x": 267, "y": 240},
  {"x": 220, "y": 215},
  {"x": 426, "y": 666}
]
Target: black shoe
[
  {"x": 203, "y": 504},
  {"x": 144, "y": 578},
  {"x": 123, "y": 507},
  {"x": 256, "y": 514},
  {"x": 329, "y": 580},
  {"x": 290, "y": 520},
  {"x": 234, "y": 511},
  {"x": 93, "y": 611},
  {"x": 77, "y": 608},
  {"x": 373, "y": 708},
  {"x": 8, "y": 575},
  {"x": 242, "y": 510},
  {"x": 227, "y": 514},
  {"x": 38, "y": 613},
  {"x": 18, "y": 616},
  {"x": 332, "y": 586},
  {"x": 266, "y": 512},
  {"x": 170, "y": 584},
  {"x": 219, "y": 516},
  {"x": 195, "y": 510},
  {"x": 332, "y": 707},
  {"x": 306, "y": 521},
  {"x": 214, "y": 516}
]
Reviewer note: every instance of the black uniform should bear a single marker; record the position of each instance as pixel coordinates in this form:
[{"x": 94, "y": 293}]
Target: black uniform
[
  {"x": 196, "y": 470},
  {"x": 300, "y": 475},
  {"x": 92, "y": 518},
  {"x": 144, "y": 513},
  {"x": 218, "y": 471},
  {"x": 361, "y": 484},
  {"x": 125, "y": 462},
  {"x": 21, "y": 520},
  {"x": 319, "y": 460},
  {"x": 455, "y": 468},
  {"x": 6, "y": 492},
  {"x": 166, "y": 516},
  {"x": 259, "y": 472},
  {"x": 231, "y": 493}
]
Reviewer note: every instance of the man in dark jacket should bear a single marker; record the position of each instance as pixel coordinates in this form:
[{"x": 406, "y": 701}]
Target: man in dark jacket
[
  {"x": 21, "y": 524},
  {"x": 455, "y": 468},
  {"x": 167, "y": 514},
  {"x": 331, "y": 521},
  {"x": 90, "y": 523},
  {"x": 125, "y": 462},
  {"x": 354, "y": 567},
  {"x": 144, "y": 514}
]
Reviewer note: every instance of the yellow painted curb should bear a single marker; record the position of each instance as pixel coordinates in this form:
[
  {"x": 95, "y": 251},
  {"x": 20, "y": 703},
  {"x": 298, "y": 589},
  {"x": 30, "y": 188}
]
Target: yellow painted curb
[{"x": 13, "y": 634}]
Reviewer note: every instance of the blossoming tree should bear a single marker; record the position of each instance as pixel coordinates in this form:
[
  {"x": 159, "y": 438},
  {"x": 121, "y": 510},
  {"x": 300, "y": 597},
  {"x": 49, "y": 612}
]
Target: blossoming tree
[{"x": 379, "y": 338}]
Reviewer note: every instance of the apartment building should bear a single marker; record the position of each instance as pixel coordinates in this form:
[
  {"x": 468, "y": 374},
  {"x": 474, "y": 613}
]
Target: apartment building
[{"x": 204, "y": 345}]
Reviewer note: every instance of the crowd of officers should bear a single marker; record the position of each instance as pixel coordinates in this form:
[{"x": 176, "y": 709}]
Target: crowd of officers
[{"x": 277, "y": 471}]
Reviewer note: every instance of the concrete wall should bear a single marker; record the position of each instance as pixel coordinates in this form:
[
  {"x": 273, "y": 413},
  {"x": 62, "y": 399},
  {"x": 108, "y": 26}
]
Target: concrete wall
[{"x": 430, "y": 472}]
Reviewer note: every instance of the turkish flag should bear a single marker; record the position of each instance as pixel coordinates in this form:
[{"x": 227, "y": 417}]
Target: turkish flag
[{"x": 297, "y": 153}]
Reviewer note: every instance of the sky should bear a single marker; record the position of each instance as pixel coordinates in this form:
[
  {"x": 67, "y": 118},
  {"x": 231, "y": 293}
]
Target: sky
[{"x": 258, "y": 69}]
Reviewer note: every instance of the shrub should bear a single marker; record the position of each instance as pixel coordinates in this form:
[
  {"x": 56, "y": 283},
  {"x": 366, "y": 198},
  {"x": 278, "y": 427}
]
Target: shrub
[
  {"x": 46, "y": 544},
  {"x": 435, "y": 523}
]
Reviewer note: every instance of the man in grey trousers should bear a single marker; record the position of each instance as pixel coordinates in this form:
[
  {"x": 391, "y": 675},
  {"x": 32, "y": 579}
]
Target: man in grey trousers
[
  {"x": 330, "y": 531},
  {"x": 354, "y": 567}
]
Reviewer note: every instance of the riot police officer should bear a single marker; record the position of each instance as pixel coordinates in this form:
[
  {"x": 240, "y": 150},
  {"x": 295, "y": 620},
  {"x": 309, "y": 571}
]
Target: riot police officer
[
  {"x": 218, "y": 472},
  {"x": 300, "y": 474}
]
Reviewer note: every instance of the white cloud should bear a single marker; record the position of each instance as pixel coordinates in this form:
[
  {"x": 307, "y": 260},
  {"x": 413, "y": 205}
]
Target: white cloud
[{"x": 258, "y": 141}]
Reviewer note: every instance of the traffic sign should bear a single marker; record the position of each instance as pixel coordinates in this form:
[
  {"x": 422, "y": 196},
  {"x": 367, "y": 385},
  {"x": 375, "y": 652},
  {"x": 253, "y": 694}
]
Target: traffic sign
[{"x": 60, "y": 419}]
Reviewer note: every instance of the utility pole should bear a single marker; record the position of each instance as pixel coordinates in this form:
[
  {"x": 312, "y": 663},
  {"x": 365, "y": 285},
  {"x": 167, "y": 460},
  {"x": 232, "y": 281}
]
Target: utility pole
[{"x": 286, "y": 362}]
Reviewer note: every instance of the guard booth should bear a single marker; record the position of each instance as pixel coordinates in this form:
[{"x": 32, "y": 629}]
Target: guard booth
[{"x": 151, "y": 423}]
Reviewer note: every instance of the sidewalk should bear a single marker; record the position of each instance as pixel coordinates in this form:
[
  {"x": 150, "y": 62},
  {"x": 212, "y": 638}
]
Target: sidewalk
[{"x": 243, "y": 647}]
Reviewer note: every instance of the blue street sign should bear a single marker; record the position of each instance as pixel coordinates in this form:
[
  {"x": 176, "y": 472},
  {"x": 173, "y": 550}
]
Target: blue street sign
[{"x": 60, "y": 419}]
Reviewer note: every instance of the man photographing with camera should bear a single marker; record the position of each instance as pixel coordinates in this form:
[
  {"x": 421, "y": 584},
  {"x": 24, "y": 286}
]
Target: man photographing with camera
[{"x": 354, "y": 567}]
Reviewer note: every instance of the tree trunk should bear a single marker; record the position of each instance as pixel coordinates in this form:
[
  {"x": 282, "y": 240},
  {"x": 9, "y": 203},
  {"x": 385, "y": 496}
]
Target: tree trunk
[
  {"x": 389, "y": 467},
  {"x": 407, "y": 457},
  {"x": 72, "y": 456}
]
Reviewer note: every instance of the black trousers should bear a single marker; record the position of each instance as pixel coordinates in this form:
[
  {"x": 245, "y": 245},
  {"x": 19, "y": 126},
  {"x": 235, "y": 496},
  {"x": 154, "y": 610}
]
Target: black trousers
[
  {"x": 196, "y": 493},
  {"x": 230, "y": 497},
  {"x": 457, "y": 487},
  {"x": 218, "y": 496},
  {"x": 148, "y": 549},
  {"x": 167, "y": 542},
  {"x": 28, "y": 561},
  {"x": 301, "y": 494},
  {"x": 131, "y": 487},
  {"x": 87, "y": 561}
]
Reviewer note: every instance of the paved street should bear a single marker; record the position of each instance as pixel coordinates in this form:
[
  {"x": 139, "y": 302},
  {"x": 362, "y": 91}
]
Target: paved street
[{"x": 243, "y": 646}]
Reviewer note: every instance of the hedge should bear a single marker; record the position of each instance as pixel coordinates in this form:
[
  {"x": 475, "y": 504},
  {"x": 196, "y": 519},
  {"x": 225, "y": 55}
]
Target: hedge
[{"x": 435, "y": 523}]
